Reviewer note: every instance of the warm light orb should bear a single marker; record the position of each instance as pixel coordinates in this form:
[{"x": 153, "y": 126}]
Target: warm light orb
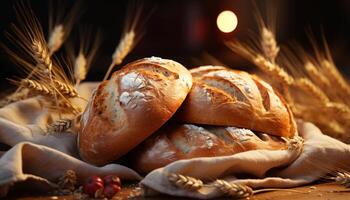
[{"x": 227, "y": 21}]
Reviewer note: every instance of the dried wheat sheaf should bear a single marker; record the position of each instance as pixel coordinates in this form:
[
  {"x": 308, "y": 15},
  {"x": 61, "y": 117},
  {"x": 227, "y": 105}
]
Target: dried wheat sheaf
[
  {"x": 312, "y": 85},
  {"x": 56, "y": 79}
]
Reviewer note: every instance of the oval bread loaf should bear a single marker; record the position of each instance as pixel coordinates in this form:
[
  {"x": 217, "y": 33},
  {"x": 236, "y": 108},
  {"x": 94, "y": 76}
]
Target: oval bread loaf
[
  {"x": 226, "y": 97},
  {"x": 134, "y": 103},
  {"x": 185, "y": 141}
]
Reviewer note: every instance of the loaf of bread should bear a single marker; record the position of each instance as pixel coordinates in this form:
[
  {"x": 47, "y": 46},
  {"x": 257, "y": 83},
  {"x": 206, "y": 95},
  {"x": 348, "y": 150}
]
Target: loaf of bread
[
  {"x": 183, "y": 141},
  {"x": 133, "y": 104},
  {"x": 226, "y": 97}
]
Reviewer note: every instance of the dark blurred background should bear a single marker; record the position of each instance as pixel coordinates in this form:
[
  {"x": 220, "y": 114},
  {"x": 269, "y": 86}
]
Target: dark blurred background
[{"x": 183, "y": 30}]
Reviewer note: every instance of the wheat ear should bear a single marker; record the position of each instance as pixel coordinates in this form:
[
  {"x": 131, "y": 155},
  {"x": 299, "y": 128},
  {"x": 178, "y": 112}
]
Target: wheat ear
[
  {"x": 186, "y": 182},
  {"x": 273, "y": 69},
  {"x": 37, "y": 87},
  {"x": 123, "y": 49},
  {"x": 42, "y": 55},
  {"x": 66, "y": 89},
  {"x": 56, "y": 38},
  {"x": 307, "y": 85},
  {"x": 80, "y": 68},
  {"x": 342, "y": 178},
  {"x": 316, "y": 75},
  {"x": 60, "y": 125},
  {"x": 337, "y": 78},
  {"x": 269, "y": 44},
  {"x": 68, "y": 181},
  {"x": 233, "y": 190}
]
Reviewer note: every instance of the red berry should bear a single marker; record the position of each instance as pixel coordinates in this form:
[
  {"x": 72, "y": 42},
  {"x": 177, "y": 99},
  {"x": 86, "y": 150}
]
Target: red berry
[
  {"x": 112, "y": 179},
  {"x": 92, "y": 185},
  {"x": 110, "y": 190}
]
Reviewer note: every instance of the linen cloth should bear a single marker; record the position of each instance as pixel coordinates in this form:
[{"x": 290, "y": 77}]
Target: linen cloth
[{"x": 40, "y": 157}]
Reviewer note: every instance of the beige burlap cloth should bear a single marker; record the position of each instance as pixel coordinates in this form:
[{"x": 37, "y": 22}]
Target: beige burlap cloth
[{"x": 40, "y": 157}]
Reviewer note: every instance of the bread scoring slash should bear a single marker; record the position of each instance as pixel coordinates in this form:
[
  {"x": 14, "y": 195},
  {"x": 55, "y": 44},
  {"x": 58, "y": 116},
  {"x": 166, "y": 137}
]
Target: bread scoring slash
[{"x": 134, "y": 103}]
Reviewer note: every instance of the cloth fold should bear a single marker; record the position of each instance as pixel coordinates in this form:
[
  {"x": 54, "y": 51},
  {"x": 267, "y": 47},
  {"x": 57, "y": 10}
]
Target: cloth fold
[
  {"x": 297, "y": 166},
  {"x": 35, "y": 155}
]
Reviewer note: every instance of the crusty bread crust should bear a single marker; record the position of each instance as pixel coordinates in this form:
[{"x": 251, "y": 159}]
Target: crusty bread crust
[
  {"x": 226, "y": 97},
  {"x": 129, "y": 107},
  {"x": 184, "y": 141}
]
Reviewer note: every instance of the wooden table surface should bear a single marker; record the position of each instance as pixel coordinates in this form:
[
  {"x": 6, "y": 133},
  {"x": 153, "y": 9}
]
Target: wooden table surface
[{"x": 325, "y": 191}]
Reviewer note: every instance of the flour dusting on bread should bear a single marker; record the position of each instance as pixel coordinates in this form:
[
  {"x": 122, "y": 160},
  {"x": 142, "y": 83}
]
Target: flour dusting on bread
[{"x": 132, "y": 81}]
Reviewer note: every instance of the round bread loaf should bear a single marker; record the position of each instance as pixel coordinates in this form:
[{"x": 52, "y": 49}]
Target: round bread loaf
[
  {"x": 134, "y": 103},
  {"x": 176, "y": 142},
  {"x": 226, "y": 97}
]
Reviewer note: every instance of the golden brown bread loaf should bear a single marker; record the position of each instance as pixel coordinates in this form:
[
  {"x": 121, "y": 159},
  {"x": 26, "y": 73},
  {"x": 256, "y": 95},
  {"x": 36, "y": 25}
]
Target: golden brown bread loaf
[
  {"x": 134, "y": 103},
  {"x": 184, "y": 141},
  {"x": 226, "y": 97}
]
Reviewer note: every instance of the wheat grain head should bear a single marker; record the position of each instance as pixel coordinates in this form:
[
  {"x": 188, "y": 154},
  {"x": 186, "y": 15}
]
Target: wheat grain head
[
  {"x": 233, "y": 190},
  {"x": 185, "y": 182}
]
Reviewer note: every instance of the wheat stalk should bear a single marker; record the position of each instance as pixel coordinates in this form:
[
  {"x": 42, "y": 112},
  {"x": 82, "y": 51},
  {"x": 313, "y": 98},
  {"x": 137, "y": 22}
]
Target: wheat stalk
[
  {"x": 273, "y": 69},
  {"x": 123, "y": 49},
  {"x": 269, "y": 44},
  {"x": 68, "y": 107},
  {"x": 66, "y": 89},
  {"x": 265, "y": 64},
  {"x": 338, "y": 107},
  {"x": 60, "y": 126},
  {"x": 233, "y": 190},
  {"x": 89, "y": 45},
  {"x": 186, "y": 182},
  {"x": 306, "y": 84},
  {"x": 80, "y": 68},
  {"x": 316, "y": 75},
  {"x": 56, "y": 38},
  {"x": 42, "y": 56},
  {"x": 37, "y": 87},
  {"x": 336, "y": 76},
  {"x": 44, "y": 77}
]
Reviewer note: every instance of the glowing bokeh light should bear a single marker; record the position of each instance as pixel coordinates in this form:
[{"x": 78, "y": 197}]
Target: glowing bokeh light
[{"x": 227, "y": 21}]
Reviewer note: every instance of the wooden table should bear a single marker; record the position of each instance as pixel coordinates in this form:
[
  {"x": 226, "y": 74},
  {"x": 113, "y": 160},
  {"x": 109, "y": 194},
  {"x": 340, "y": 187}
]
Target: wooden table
[{"x": 325, "y": 191}]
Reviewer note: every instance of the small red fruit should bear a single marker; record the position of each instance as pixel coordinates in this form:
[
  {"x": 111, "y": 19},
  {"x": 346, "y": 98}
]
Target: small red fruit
[
  {"x": 112, "y": 179},
  {"x": 92, "y": 185},
  {"x": 110, "y": 190}
]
